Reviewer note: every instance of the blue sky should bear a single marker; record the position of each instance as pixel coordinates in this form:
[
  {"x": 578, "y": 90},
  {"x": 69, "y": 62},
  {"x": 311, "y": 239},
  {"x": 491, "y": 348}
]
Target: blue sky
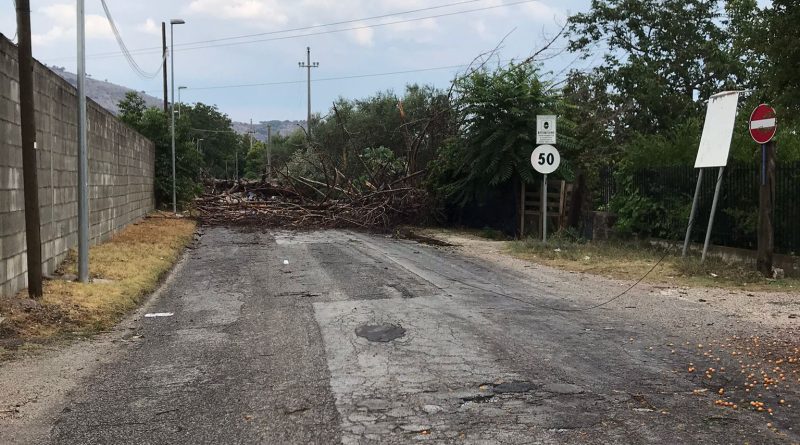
[{"x": 420, "y": 42}]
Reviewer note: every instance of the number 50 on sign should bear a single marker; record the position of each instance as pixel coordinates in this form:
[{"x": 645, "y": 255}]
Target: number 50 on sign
[{"x": 545, "y": 159}]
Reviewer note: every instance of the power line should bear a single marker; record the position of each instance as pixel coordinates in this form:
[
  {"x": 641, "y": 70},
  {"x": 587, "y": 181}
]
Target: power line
[
  {"x": 303, "y": 28},
  {"x": 188, "y": 46},
  {"x": 323, "y": 79},
  {"x": 135, "y": 66},
  {"x": 344, "y": 22}
]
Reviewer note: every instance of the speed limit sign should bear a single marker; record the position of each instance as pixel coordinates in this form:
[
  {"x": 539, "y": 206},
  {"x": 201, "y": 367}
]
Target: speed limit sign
[{"x": 545, "y": 159}]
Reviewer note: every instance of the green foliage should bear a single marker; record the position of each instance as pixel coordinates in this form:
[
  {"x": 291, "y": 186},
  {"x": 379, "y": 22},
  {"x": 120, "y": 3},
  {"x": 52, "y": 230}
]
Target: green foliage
[
  {"x": 775, "y": 33},
  {"x": 658, "y": 213},
  {"x": 676, "y": 146},
  {"x": 411, "y": 126},
  {"x": 496, "y": 111},
  {"x": 663, "y": 59},
  {"x": 638, "y": 214},
  {"x": 221, "y": 146},
  {"x": 281, "y": 150},
  {"x": 154, "y": 124}
]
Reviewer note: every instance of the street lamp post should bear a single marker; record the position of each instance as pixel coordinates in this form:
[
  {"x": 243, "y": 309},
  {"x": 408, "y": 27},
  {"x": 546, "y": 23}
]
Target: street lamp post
[
  {"x": 179, "y": 100},
  {"x": 172, "y": 24}
]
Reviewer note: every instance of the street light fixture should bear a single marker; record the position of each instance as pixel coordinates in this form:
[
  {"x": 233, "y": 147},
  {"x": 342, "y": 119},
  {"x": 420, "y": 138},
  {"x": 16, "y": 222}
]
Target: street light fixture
[
  {"x": 172, "y": 24},
  {"x": 179, "y": 100}
]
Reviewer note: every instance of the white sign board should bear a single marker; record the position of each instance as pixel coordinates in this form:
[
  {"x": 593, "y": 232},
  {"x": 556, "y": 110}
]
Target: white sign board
[
  {"x": 715, "y": 144},
  {"x": 545, "y": 159},
  {"x": 545, "y": 129}
]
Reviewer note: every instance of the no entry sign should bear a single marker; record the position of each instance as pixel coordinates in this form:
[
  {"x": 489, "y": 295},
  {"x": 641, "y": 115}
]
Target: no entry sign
[{"x": 763, "y": 124}]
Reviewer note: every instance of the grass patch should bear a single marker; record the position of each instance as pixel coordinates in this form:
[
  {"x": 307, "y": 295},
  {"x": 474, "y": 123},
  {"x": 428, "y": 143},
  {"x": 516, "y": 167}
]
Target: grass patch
[
  {"x": 631, "y": 260},
  {"x": 124, "y": 269}
]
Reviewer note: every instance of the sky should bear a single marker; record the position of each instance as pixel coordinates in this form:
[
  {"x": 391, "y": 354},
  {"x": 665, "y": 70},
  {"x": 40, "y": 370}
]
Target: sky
[{"x": 419, "y": 41}]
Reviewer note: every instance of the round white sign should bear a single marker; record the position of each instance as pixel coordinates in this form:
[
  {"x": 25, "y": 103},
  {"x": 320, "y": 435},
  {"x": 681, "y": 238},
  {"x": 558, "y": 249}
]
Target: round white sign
[{"x": 545, "y": 159}]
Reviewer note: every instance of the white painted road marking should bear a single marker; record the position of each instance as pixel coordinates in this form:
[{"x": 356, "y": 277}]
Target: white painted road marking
[{"x": 159, "y": 314}]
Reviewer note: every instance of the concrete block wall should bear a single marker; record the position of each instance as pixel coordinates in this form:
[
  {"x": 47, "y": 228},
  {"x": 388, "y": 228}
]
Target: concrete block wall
[{"x": 121, "y": 171}]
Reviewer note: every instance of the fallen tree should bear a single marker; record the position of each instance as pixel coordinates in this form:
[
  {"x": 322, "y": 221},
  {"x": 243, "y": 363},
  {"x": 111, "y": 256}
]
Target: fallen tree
[{"x": 304, "y": 203}]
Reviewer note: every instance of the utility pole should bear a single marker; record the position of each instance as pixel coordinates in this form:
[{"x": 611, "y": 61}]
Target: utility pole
[
  {"x": 269, "y": 153},
  {"x": 766, "y": 208},
  {"x": 164, "y": 62},
  {"x": 308, "y": 65},
  {"x": 33, "y": 236},
  {"x": 83, "y": 153}
]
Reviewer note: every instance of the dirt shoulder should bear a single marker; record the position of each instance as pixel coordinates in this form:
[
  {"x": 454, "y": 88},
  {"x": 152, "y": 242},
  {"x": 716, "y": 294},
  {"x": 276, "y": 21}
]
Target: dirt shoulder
[
  {"x": 773, "y": 308},
  {"x": 123, "y": 270}
]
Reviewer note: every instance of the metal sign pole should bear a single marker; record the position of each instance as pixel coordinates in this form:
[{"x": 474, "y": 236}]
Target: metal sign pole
[
  {"x": 713, "y": 211},
  {"x": 544, "y": 208},
  {"x": 83, "y": 159},
  {"x": 693, "y": 212}
]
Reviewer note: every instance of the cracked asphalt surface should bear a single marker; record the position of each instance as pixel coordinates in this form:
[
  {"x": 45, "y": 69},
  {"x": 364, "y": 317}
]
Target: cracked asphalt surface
[{"x": 453, "y": 350}]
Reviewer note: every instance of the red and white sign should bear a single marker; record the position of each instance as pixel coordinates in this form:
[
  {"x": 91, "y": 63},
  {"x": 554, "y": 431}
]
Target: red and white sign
[{"x": 763, "y": 124}]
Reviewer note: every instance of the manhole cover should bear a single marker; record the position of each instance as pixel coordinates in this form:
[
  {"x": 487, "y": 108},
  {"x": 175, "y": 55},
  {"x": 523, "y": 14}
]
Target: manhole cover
[
  {"x": 380, "y": 332},
  {"x": 512, "y": 387}
]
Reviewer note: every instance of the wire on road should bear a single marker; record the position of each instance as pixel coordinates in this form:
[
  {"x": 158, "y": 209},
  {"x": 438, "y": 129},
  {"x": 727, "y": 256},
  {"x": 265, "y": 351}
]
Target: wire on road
[{"x": 552, "y": 308}]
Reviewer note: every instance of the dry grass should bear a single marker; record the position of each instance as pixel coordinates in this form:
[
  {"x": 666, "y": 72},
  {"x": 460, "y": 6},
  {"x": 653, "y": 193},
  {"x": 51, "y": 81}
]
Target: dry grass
[
  {"x": 629, "y": 260},
  {"x": 125, "y": 268}
]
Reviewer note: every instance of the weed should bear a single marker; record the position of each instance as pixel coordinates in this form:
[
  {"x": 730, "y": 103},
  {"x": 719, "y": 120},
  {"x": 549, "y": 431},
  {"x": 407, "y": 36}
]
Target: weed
[{"x": 130, "y": 265}]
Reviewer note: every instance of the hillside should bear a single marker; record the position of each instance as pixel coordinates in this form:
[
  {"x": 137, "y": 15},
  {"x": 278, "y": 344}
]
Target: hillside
[
  {"x": 284, "y": 128},
  {"x": 105, "y": 93},
  {"x": 109, "y": 94}
]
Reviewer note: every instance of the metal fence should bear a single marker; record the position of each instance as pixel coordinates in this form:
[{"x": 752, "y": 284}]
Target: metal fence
[{"x": 737, "y": 212}]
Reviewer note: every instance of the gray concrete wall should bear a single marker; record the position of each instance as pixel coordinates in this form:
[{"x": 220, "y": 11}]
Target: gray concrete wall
[{"x": 121, "y": 169}]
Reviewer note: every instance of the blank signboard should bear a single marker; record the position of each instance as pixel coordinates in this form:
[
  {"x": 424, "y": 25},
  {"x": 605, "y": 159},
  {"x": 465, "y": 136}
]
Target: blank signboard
[{"x": 718, "y": 130}]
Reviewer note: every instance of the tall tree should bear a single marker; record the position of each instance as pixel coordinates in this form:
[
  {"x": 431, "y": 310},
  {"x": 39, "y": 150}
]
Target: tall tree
[
  {"x": 783, "y": 52},
  {"x": 661, "y": 58},
  {"x": 496, "y": 112}
]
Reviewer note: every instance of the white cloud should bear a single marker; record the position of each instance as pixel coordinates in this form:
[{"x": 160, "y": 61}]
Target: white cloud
[
  {"x": 482, "y": 30},
  {"x": 419, "y": 31},
  {"x": 260, "y": 11},
  {"x": 544, "y": 12},
  {"x": 363, "y": 36},
  {"x": 149, "y": 27},
  {"x": 63, "y": 14},
  {"x": 97, "y": 27},
  {"x": 54, "y": 34},
  {"x": 63, "y": 19}
]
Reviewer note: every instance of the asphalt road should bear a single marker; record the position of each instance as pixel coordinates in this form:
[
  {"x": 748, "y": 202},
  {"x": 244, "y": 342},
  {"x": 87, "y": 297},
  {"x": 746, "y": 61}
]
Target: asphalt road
[{"x": 340, "y": 337}]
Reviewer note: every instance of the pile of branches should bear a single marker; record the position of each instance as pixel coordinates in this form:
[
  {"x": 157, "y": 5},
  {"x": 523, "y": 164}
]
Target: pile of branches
[{"x": 303, "y": 203}]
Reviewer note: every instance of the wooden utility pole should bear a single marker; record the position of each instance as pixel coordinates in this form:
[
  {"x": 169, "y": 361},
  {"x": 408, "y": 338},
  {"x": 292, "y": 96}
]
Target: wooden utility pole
[
  {"x": 164, "y": 62},
  {"x": 33, "y": 237},
  {"x": 766, "y": 207}
]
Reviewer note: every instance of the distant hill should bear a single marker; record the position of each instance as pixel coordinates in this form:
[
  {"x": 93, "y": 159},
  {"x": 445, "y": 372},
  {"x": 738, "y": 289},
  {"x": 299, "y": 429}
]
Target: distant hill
[
  {"x": 109, "y": 94},
  {"x": 284, "y": 128},
  {"x": 105, "y": 93}
]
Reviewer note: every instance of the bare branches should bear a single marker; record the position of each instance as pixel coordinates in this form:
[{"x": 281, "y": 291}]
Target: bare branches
[
  {"x": 268, "y": 205},
  {"x": 554, "y": 39}
]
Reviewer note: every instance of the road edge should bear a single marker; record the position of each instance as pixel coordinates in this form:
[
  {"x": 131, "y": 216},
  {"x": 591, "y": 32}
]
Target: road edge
[{"x": 34, "y": 388}]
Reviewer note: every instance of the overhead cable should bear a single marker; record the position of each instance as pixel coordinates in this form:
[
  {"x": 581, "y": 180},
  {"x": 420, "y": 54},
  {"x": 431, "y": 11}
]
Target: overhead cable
[
  {"x": 131, "y": 61},
  {"x": 189, "y": 46}
]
